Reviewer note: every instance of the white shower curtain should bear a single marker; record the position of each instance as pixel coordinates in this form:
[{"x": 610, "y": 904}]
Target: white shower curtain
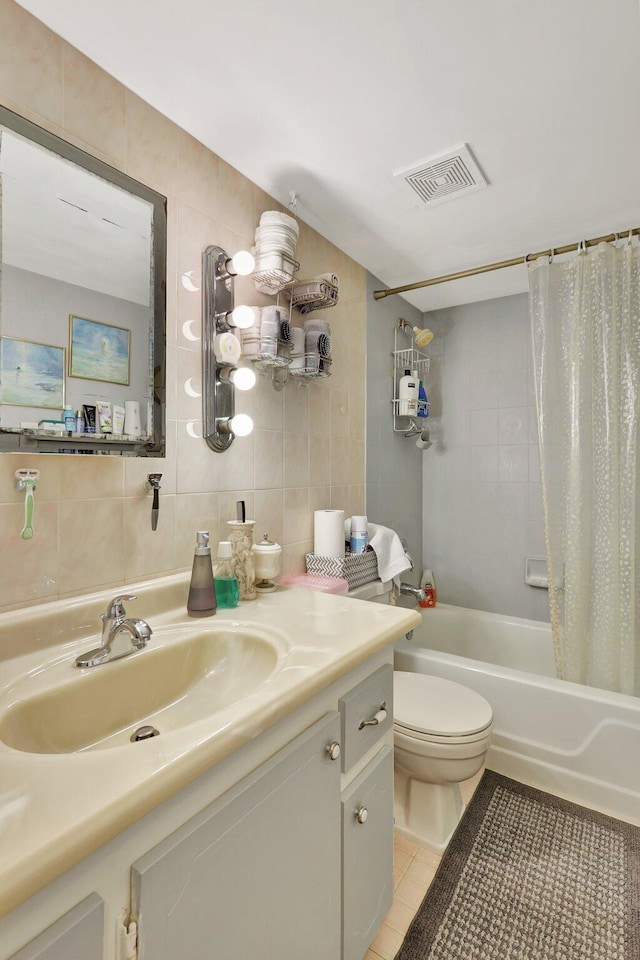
[{"x": 585, "y": 316}]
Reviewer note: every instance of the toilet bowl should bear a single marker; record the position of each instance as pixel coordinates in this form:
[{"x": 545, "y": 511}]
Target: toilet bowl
[{"x": 442, "y": 731}]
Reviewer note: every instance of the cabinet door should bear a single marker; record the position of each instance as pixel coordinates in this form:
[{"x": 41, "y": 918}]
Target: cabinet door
[
  {"x": 367, "y": 856},
  {"x": 78, "y": 935},
  {"x": 256, "y": 875}
]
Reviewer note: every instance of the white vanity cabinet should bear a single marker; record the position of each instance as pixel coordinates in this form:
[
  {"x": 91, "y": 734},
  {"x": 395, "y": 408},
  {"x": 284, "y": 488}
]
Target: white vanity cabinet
[
  {"x": 256, "y": 874},
  {"x": 367, "y": 811},
  {"x": 268, "y": 855},
  {"x": 78, "y": 935}
]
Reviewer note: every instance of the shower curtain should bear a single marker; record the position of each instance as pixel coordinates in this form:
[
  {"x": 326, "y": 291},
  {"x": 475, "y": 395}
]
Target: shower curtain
[{"x": 585, "y": 318}]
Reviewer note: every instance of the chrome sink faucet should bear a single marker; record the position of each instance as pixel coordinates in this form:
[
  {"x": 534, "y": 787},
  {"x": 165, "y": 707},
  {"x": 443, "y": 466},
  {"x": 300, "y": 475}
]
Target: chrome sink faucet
[{"x": 121, "y": 635}]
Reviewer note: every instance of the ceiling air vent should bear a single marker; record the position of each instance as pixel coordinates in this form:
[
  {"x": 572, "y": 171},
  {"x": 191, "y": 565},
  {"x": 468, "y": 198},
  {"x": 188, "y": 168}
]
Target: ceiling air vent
[{"x": 444, "y": 177}]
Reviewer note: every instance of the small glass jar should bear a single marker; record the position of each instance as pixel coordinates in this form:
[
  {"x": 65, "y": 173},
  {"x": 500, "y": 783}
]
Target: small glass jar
[{"x": 267, "y": 557}]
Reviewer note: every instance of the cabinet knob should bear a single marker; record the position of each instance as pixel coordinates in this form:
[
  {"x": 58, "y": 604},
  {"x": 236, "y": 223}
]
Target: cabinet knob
[
  {"x": 361, "y": 814},
  {"x": 333, "y": 749}
]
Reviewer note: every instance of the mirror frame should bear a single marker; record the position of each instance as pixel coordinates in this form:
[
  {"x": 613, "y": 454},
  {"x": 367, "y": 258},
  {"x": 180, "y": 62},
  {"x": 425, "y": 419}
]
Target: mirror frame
[{"x": 31, "y": 131}]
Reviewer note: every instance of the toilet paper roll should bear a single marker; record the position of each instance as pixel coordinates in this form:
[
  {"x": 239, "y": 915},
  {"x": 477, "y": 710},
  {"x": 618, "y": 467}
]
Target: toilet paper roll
[
  {"x": 227, "y": 348},
  {"x": 328, "y": 533}
]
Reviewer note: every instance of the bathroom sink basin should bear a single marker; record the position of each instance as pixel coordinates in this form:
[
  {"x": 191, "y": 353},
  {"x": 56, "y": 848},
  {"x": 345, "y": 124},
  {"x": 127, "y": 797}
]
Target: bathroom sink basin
[{"x": 168, "y": 686}]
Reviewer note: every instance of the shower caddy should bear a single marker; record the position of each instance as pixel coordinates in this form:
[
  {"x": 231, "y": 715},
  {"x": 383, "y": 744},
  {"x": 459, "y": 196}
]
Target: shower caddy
[{"x": 405, "y": 358}]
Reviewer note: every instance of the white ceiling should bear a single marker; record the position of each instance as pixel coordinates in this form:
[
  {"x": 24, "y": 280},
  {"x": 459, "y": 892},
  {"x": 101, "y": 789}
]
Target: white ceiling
[
  {"x": 61, "y": 221},
  {"x": 329, "y": 98}
]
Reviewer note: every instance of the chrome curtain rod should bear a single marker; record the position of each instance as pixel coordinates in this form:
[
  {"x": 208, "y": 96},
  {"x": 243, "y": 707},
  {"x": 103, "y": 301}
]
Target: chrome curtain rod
[{"x": 487, "y": 268}]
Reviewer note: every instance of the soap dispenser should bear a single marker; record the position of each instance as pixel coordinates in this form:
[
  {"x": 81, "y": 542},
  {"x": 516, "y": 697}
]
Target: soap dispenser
[{"x": 202, "y": 591}]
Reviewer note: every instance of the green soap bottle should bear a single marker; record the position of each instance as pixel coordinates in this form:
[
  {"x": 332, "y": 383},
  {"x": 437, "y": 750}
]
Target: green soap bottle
[{"x": 227, "y": 590}]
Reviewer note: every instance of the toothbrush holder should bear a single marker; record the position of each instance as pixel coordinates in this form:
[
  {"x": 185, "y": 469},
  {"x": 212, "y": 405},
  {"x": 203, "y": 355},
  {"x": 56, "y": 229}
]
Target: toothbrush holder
[{"x": 242, "y": 562}]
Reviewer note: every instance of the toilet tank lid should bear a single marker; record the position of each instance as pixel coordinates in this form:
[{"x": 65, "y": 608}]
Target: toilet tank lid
[{"x": 433, "y": 705}]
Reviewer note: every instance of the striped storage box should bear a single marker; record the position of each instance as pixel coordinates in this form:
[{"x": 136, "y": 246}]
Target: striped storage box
[{"x": 356, "y": 568}]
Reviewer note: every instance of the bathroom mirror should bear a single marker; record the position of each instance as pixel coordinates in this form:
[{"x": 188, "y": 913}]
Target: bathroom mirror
[{"x": 82, "y": 300}]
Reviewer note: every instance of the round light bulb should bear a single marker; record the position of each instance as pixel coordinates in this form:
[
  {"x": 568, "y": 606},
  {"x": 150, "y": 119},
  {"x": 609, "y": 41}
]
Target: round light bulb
[
  {"x": 243, "y": 378},
  {"x": 241, "y": 424},
  {"x": 242, "y": 263},
  {"x": 242, "y": 317}
]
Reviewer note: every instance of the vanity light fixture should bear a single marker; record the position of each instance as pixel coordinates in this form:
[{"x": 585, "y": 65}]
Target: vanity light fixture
[
  {"x": 220, "y": 424},
  {"x": 243, "y": 378}
]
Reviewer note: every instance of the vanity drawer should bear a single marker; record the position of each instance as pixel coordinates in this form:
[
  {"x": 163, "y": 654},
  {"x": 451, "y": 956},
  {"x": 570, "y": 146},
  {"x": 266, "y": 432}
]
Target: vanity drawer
[{"x": 358, "y": 708}]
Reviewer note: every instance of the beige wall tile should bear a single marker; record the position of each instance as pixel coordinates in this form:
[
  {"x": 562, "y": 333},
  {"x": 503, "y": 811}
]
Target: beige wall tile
[
  {"x": 91, "y": 543},
  {"x": 82, "y": 478},
  {"x": 296, "y": 460},
  {"x": 319, "y": 499},
  {"x": 339, "y": 413},
  {"x": 268, "y": 405},
  {"x": 94, "y": 105},
  {"x": 298, "y": 522},
  {"x": 152, "y": 145},
  {"x": 196, "y": 511},
  {"x": 296, "y": 408},
  {"x": 269, "y": 514},
  {"x": 198, "y": 171},
  {"x": 339, "y": 460},
  {"x": 236, "y": 201},
  {"x": 320, "y": 409},
  {"x": 269, "y": 459},
  {"x": 30, "y": 568},
  {"x": 319, "y": 460},
  {"x": 356, "y": 461},
  {"x": 197, "y": 467},
  {"x": 31, "y": 63},
  {"x": 293, "y": 555},
  {"x": 189, "y": 385},
  {"x": 149, "y": 551},
  {"x": 237, "y": 464}
]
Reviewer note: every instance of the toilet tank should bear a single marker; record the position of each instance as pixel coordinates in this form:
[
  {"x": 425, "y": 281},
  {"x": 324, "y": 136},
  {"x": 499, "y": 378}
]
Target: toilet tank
[{"x": 377, "y": 590}]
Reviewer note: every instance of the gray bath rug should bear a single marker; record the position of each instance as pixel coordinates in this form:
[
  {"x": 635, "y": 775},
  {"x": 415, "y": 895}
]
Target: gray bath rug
[{"x": 528, "y": 876}]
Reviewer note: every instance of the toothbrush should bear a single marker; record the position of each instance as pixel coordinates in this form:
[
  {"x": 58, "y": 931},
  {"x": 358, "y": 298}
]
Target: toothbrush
[{"x": 26, "y": 480}]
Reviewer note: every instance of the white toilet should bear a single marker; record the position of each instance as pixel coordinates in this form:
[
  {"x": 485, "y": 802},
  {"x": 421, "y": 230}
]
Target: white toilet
[{"x": 442, "y": 731}]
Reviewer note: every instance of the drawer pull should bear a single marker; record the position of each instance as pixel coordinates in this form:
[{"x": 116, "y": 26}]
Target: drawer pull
[
  {"x": 361, "y": 814},
  {"x": 333, "y": 750},
  {"x": 380, "y": 717}
]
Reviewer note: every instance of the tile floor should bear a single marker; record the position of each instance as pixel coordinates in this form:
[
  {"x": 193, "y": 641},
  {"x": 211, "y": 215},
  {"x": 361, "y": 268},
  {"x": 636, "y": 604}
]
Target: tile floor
[{"x": 414, "y": 867}]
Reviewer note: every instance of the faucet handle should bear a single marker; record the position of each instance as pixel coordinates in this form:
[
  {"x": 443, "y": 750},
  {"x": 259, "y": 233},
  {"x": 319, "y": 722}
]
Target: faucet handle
[{"x": 116, "y": 610}]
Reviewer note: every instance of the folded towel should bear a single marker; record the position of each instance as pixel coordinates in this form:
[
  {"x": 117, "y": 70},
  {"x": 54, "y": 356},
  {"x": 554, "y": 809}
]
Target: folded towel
[{"x": 392, "y": 560}]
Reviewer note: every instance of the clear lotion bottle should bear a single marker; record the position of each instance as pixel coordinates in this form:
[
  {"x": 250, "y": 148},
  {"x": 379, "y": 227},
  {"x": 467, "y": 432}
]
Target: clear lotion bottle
[{"x": 202, "y": 591}]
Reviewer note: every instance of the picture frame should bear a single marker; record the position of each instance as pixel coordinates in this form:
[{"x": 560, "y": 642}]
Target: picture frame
[
  {"x": 99, "y": 351},
  {"x": 32, "y": 374}
]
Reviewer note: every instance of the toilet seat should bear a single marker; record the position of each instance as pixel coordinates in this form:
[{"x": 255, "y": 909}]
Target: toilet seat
[{"x": 434, "y": 709}]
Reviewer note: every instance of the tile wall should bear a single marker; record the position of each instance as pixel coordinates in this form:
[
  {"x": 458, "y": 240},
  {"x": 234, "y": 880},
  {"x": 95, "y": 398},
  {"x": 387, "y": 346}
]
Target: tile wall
[
  {"x": 482, "y": 503},
  {"x": 394, "y": 464},
  {"x": 92, "y": 516}
]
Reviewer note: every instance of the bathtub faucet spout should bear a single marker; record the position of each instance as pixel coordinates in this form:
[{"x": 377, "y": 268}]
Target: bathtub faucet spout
[{"x": 406, "y": 590}]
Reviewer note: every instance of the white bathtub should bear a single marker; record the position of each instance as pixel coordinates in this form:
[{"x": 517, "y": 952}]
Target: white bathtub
[{"x": 577, "y": 742}]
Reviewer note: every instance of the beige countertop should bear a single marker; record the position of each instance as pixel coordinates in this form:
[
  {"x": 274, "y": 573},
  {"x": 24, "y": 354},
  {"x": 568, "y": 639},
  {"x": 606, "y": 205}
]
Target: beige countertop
[{"x": 56, "y": 808}]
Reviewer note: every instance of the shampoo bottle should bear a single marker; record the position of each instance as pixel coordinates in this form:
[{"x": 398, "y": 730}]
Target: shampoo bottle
[
  {"x": 202, "y": 591},
  {"x": 423, "y": 401},
  {"x": 407, "y": 395}
]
